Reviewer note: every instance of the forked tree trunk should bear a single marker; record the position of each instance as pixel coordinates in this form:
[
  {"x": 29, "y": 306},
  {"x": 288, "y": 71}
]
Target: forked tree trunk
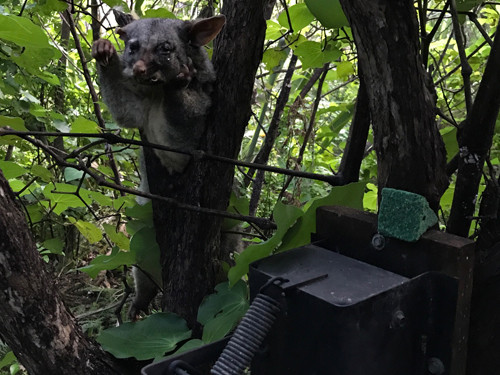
[
  {"x": 189, "y": 241},
  {"x": 410, "y": 152},
  {"x": 43, "y": 335}
]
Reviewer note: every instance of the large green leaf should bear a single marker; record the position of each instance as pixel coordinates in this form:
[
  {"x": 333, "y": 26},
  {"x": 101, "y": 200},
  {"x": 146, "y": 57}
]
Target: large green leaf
[
  {"x": 53, "y": 245},
  {"x": 285, "y": 217},
  {"x": 108, "y": 262},
  {"x": 146, "y": 251},
  {"x": 15, "y": 123},
  {"x": 37, "y": 51},
  {"x": 466, "y": 5},
  {"x": 23, "y": 32},
  {"x": 11, "y": 169},
  {"x": 89, "y": 230},
  {"x": 328, "y": 12},
  {"x": 42, "y": 172},
  {"x": 117, "y": 237},
  {"x": 220, "y": 312},
  {"x": 313, "y": 55},
  {"x": 158, "y": 13},
  {"x": 72, "y": 174},
  {"x": 300, "y": 234},
  {"x": 8, "y": 359},
  {"x": 300, "y": 17},
  {"x": 274, "y": 30},
  {"x": 449, "y": 135},
  {"x": 237, "y": 205},
  {"x": 83, "y": 125},
  {"x": 146, "y": 339},
  {"x": 60, "y": 198}
]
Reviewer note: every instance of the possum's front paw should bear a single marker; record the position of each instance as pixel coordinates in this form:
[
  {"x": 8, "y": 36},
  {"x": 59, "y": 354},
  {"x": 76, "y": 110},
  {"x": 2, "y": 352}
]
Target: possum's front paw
[{"x": 103, "y": 51}]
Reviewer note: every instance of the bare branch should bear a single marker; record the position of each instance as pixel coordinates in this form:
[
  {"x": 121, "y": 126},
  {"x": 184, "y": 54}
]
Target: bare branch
[{"x": 102, "y": 181}]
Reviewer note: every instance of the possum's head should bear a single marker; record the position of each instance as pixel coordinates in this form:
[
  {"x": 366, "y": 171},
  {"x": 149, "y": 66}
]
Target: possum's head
[{"x": 159, "y": 51}]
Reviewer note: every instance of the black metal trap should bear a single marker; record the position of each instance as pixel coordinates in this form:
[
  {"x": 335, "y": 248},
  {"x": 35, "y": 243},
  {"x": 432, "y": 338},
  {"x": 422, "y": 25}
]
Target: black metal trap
[{"x": 316, "y": 311}]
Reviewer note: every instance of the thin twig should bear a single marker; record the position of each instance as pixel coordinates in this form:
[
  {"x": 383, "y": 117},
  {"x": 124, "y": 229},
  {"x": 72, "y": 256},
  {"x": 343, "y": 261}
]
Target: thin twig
[
  {"x": 93, "y": 93},
  {"x": 466, "y": 68},
  {"x": 101, "y": 181},
  {"x": 312, "y": 121},
  {"x": 197, "y": 155}
]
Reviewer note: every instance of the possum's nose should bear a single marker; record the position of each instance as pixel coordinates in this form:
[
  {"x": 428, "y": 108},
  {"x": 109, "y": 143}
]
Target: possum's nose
[{"x": 139, "y": 68}]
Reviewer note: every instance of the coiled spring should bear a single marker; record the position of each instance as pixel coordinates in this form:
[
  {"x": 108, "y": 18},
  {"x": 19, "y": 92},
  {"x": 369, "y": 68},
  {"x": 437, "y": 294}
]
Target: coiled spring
[{"x": 248, "y": 336}]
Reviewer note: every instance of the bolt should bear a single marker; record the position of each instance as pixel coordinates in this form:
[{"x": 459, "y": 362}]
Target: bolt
[
  {"x": 378, "y": 242},
  {"x": 435, "y": 366},
  {"x": 398, "y": 319}
]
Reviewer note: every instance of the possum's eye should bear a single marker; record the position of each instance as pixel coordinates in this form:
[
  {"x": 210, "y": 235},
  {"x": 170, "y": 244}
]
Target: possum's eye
[
  {"x": 164, "y": 48},
  {"x": 133, "y": 46}
]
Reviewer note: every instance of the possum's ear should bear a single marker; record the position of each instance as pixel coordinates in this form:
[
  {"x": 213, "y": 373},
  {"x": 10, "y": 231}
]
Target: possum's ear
[
  {"x": 205, "y": 30},
  {"x": 122, "y": 33},
  {"x": 122, "y": 18}
]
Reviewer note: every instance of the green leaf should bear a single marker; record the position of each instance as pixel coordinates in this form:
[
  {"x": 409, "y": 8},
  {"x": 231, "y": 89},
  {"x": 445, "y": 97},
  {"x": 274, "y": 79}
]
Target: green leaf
[
  {"x": 159, "y": 13},
  {"x": 8, "y": 359},
  {"x": 312, "y": 55},
  {"x": 328, "y": 12},
  {"x": 15, "y": 123},
  {"x": 108, "y": 262},
  {"x": 89, "y": 230},
  {"x": 146, "y": 339},
  {"x": 61, "y": 199},
  {"x": 72, "y": 174},
  {"x": 35, "y": 213},
  {"x": 274, "y": 30},
  {"x": 238, "y": 205},
  {"x": 23, "y": 32},
  {"x": 447, "y": 198},
  {"x": 141, "y": 212},
  {"x": 49, "y": 6},
  {"x": 115, "y": 3},
  {"x": 102, "y": 199},
  {"x": 118, "y": 238},
  {"x": 11, "y": 170},
  {"x": 62, "y": 126},
  {"x": 42, "y": 172},
  {"x": 285, "y": 217},
  {"x": 300, "y": 234},
  {"x": 54, "y": 245},
  {"x": 449, "y": 135},
  {"x": 221, "y": 312},
  {"x": 190, "y": 345},
  {"x": 224, "y": 298},
  {"x": 466, "y": 5},
  {"x": 300, "y": 17},
  {"x": 83, "y": 125},
  {"x": 47, "y": 76},
  {"x": 370, "y": 199},
  {"x": 147, "y": 252},
  {"x": 344, "y": 70},
  {"x": 273, "y": 56}
]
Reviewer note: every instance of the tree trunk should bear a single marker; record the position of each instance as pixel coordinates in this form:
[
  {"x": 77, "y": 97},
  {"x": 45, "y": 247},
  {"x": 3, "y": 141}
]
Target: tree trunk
[
  {"x": 35, "y": 324},
  {"x": 189, "y": 241},
  {"x": 475, "y": 136},
  {"x": 410, "y": 151}
]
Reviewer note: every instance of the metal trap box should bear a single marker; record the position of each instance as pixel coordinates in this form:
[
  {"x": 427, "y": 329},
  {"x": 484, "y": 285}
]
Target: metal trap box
[{"x": 351, "y": 303}]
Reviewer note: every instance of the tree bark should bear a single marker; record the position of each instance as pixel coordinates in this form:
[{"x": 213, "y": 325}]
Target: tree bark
[
  {"x": 354, "y": 151},
  {"x": 410, "y": 151},
  {"x": 190, "y": 242},
  {"x": 43, "y": 335},
  {"x": 475, "y": 136}
]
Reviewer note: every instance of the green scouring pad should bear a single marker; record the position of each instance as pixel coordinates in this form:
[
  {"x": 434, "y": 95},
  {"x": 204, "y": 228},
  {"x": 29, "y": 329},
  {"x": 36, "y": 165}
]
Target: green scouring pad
[{"x": 404, "y": 215}]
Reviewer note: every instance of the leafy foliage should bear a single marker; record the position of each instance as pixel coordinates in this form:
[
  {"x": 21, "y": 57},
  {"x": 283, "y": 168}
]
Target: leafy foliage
[
  {"x": 81, "y": 223},
  {"x": 149, "y": 338},
  {"x": 161, "y": 333}
]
